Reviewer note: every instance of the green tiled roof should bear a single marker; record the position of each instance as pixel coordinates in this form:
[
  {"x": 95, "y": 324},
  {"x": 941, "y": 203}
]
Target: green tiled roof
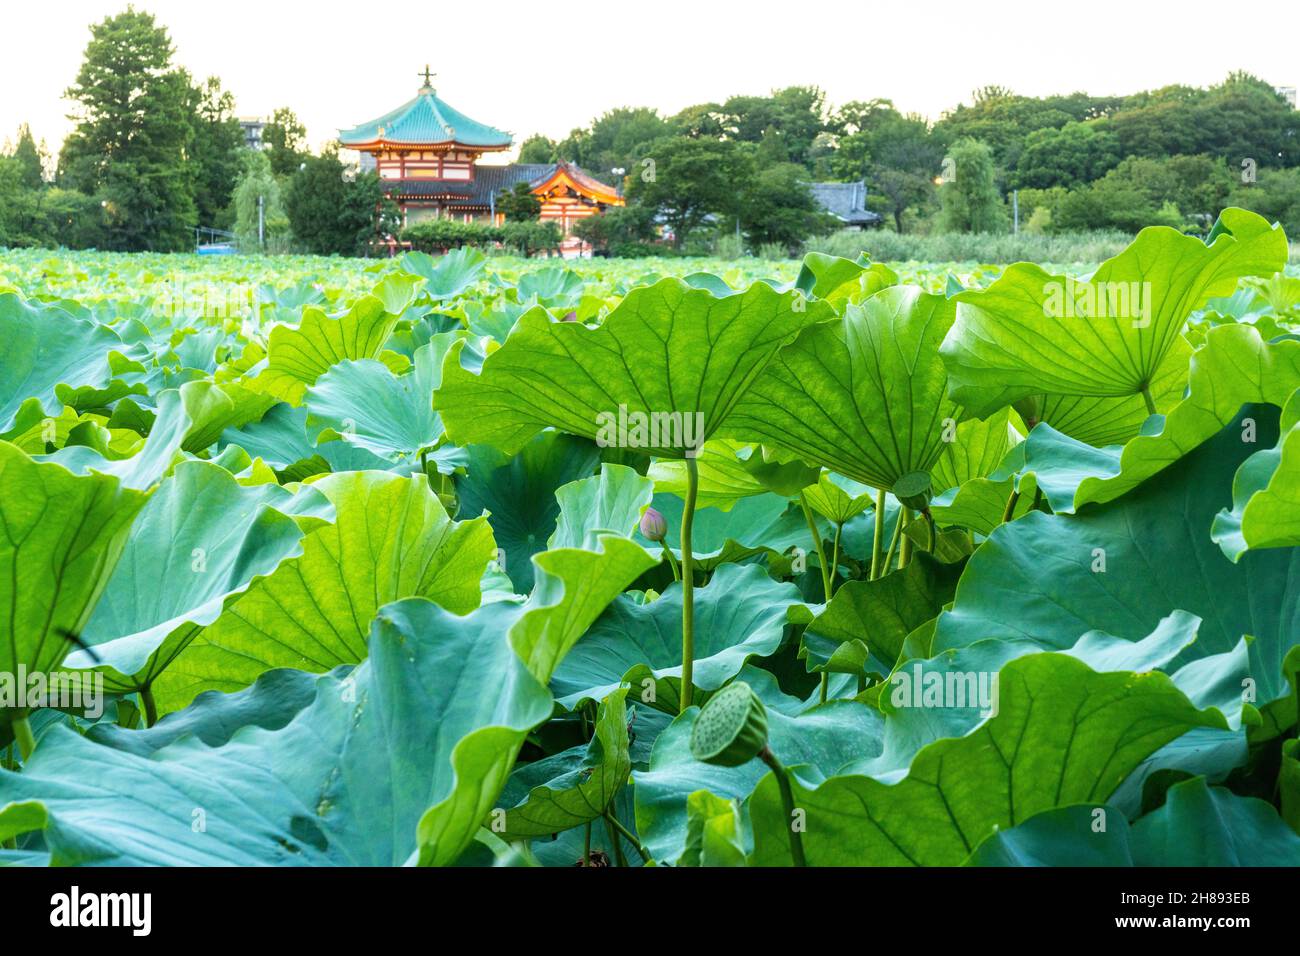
[{"x": 425, "y": 120}]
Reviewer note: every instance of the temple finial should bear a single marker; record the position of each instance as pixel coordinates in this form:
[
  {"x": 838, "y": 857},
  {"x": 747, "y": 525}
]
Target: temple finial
[{"x": 428, "y": 78}]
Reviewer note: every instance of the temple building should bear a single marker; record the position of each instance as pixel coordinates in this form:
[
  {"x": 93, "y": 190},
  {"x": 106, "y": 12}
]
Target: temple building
[{"x": 427, "y": 155}]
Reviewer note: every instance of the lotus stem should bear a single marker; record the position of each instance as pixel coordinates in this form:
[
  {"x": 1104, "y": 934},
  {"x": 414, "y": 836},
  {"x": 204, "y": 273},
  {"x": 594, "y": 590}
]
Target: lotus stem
[
  {"x": 1010, "y": 510},
  {"x": 586, "y": 845},
  {"x": 878, "y": 540},
  {"x": 688, "y": 584},
  {"x": 823, "y": 687},
  {"x": 893, "y": 543},
  {"x": 615, "y": 845},
  {"x": 23, "y": 737},
  {"x": 1146, "y": 397},
  {"x": 835, "y": 559},
  {"x": 672, "y": 563},
  {"x": 787, "y": 801},
  {"x": 627, "y": 835},
  {"x": 150, "y": 706},
  {"x": 817, "y": 545},
  {"x": 905, "y": 549},
  {"x": 929, "y": 523}
]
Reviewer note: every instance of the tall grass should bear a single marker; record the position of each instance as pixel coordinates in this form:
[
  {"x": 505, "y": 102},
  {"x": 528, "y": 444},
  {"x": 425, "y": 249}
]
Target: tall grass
[
  {"x": 882, "y": 246},
  {"x": 1066, "y": 248}
]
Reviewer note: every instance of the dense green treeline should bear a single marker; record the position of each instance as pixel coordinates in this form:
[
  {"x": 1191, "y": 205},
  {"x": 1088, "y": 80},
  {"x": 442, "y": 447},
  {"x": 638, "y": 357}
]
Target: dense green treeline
[
  {"x": 1173, "y": 156},
  {"x": 156, "y": 153}
]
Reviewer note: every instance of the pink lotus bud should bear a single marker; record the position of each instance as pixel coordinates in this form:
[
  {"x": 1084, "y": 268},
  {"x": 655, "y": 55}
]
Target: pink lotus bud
[{"x": 653, "y": 525}]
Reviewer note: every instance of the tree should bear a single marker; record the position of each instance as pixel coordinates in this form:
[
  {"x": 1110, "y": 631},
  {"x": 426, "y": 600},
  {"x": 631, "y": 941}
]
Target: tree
[
  {"x": 334, "y": 214},
  {"x": 286, "y": 141},
  {"x": 1073, "y": 155},
  {"x": 616, "y": 140},
  {"x": 618, "y": 230},
  {"x": 895, "y": 191},
  {"x": 789, "y": 120},
  {"x": 971, "y": 201},
  {"x": 1275, "y": 195},
  {"x": 897, "y": 155},
  {"x": 778, "y": 207},
  {"x": 133, "y": 130},
  {"x": 258, "y": 194},
  {"x": 537, "y": 149},
  {"x": 1002, "y": 120},
  {"x": 30, "y": 159},
  {"x": 519, "y": 204},
  {"x": 216, "y": 152},
  {"x": 690, "y": 180}
]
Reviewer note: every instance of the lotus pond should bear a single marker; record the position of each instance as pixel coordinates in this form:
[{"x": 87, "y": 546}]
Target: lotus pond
[{"x": 467, "y": 561}]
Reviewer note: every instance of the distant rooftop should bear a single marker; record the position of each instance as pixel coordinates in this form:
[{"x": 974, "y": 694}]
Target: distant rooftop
[
  {"x": 847, "y": 202},
  {"x": 426, "y": 120}
]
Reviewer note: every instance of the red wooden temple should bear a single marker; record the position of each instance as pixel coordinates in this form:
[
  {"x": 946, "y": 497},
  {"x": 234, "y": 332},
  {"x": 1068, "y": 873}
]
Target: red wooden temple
[{"x": 427, "y": 155}]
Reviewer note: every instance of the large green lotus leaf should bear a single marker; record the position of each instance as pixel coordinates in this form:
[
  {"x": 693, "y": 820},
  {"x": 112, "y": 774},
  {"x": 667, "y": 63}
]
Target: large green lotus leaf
[
  {"x": 219, "y": 407},
  {"x": 570, "y": 788},
  {"x": 1032, "y": 332},
  {"x": 980, "y": 503},
  {"x": 297, "y": 357},
  {"x": 950, "y": 694},
  {"x": 760, "y": 524},
  {"x": 573, "y": 587},
  {"x": 667, "y": 350},
  {"x": 201, "y": 540},
  {"x": 518, "y": 494},
  {"x": 839, "y": 499},
  {"x": 864, "y": 396},
  {"x": 44, "y": 347},
  {"x": 881, "y": 613},
  {"x": 1040, "y": 578},
  {"x": 741, "y": 613},
  {"x": 272, "y": 701},
  {"x": 281, "y": 439},
  {"x": 609, "y": 503},
  {"x": 1234, "y": 367},
  {"x": 819, "y": 740},
  {"x": 60, "y": 536},
  {"x": 1080, "y": 835},
  {"x": 840, "y": 281},
  {"x": 367, "y": 405},
  {"x": 334, "y": 785},
  {"x": 976, "y": 450},
  {"x": 551, "y": 287},
  {"x": 1063, "y": 734},
  {"x": 391, "y": 539},
  {"x": 1107, "y": 421},
  {"x": 729, "y": 471},
  {"x": 1211, "y": 826},
  {"x": 176, "y": 412},
  {"x": 1265, "y": 509},
  {"x": 451, "y": 275},
  {"x": 1198, "y": 825}
]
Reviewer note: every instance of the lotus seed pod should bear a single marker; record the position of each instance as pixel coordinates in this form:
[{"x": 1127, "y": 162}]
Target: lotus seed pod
[
  {"x": 653, "y": 526},
  {"x": 731, "y": 728},
  {"x": 913, "y": 490}
]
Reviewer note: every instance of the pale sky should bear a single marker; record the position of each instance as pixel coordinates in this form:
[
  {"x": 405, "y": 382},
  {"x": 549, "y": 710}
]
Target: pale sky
[{"x": 535, "y": 67}]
